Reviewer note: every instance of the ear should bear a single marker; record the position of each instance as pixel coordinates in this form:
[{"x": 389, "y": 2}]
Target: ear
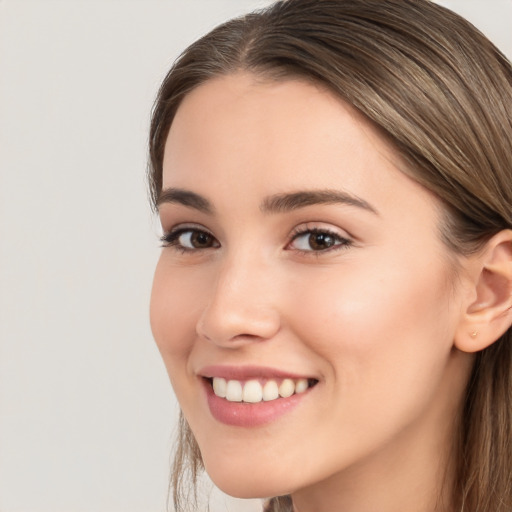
[{"x": 487, "y": 313}]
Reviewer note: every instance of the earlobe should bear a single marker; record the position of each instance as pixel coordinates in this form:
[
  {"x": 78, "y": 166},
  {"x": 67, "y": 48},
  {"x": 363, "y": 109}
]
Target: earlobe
[{"x": 488, "y": 314}]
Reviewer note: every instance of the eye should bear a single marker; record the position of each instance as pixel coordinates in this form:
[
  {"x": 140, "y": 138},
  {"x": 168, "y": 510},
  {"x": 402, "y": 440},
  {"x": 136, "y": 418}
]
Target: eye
[
  {"x": 190, "y": 239},
  {"x": 318, "y": 240}
]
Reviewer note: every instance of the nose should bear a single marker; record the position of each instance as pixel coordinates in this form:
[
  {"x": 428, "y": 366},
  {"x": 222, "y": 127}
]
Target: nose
[{"x": 241, "y": 307}]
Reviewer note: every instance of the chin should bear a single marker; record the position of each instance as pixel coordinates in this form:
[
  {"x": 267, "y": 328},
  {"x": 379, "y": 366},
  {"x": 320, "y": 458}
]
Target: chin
[
  {"x": 247, "y": 483},
  {"x": 248, "y": 489}
]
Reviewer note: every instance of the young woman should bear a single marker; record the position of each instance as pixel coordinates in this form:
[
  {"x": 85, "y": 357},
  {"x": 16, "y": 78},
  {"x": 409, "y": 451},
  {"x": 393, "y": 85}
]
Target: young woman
[{"x": 333, "y": 298}]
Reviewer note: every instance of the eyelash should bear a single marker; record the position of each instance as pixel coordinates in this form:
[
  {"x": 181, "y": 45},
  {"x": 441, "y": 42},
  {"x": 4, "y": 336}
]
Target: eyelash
[
  {"x": 171, "y": 239},
  {"x": 340, "y": 242}
]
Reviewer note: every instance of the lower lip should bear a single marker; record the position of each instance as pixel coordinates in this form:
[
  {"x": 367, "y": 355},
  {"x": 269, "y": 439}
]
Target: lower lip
[{"x": 243, "y": 414}]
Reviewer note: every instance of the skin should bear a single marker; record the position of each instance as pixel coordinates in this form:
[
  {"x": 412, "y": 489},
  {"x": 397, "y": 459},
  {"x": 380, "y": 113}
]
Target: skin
[{"x": 373, "y": 320}]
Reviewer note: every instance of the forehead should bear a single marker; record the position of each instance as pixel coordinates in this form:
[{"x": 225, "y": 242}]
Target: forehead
[
  {"x": 243, "y": 120},
  {"x": 238, "y": 136},
  {"x": 243, "y": 99}
]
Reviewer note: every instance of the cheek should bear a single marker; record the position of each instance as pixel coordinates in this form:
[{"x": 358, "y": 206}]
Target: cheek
[
  {"x": 372, "y": 322},
  {"x": 385, "y": 343},
  {"x": 173, "y": 312}
]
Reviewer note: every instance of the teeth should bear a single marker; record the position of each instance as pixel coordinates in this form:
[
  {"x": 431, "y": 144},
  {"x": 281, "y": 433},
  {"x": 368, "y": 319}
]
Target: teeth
[
  {"x": 253, "y": 392},
  {"x": 301, "y": 386},
  {"x": 234, "y": 391},
  {"x": 219, "y": 387},
  {"x": 287, "y": 388},
  {"x": 270, "y": 391}
]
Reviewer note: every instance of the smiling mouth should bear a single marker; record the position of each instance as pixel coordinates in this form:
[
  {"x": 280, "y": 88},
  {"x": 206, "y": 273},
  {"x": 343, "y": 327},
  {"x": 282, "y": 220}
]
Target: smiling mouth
[{"x": 259, "y": 390}]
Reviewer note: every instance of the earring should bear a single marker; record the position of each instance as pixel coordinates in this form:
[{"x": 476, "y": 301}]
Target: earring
[{"x": 474, "y": 334}]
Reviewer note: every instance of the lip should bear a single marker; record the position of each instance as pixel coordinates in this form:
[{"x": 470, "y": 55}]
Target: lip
[
  {"x": 244, "y": 373},
  {"x": 248, "y": 415}
]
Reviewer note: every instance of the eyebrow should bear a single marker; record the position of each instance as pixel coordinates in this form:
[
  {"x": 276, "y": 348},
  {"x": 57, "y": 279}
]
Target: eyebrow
[
  {"x": 186, "y": 198},
  {"x": 278, "y": 203}
]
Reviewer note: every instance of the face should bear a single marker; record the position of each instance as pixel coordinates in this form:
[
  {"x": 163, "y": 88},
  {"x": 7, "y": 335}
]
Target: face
[{"x": 303, "y": 276}]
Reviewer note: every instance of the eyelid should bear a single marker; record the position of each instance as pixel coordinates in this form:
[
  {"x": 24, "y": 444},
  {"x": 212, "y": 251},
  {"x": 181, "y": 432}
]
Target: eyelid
[
  {"x": 170, "y": 237},
  {"x": 344, "y": 240}
]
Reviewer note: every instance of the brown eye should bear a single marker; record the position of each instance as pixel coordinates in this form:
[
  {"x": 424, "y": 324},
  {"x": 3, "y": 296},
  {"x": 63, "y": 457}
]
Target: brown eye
[
  {"x": 321, "y": 241},
  {"x": 318, "y": 241},
  {"x": 194, "y": 239},
  {"x": 200, "y": 239},
  {"x": 189, "y": 239}
]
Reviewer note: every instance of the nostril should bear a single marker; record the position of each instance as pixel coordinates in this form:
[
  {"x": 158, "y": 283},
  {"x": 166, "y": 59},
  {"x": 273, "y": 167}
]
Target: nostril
[{"x": 250, "y": 337}]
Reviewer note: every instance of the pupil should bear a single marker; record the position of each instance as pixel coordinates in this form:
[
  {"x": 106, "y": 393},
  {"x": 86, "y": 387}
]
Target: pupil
[
  {"x": 200, "y": 239},
  {"x": 320, "y": 241}
]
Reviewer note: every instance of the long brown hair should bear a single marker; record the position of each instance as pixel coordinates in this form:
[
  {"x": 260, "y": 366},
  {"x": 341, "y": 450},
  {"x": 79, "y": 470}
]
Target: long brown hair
[{"x": 441, "y": 94}]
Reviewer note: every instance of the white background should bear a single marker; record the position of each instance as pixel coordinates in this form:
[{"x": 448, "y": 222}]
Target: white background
[{"x": 86, "y": 411}]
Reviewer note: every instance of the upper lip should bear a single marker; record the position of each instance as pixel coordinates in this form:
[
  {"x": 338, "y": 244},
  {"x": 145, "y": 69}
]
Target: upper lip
[{"x": 247, "y": 372}]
